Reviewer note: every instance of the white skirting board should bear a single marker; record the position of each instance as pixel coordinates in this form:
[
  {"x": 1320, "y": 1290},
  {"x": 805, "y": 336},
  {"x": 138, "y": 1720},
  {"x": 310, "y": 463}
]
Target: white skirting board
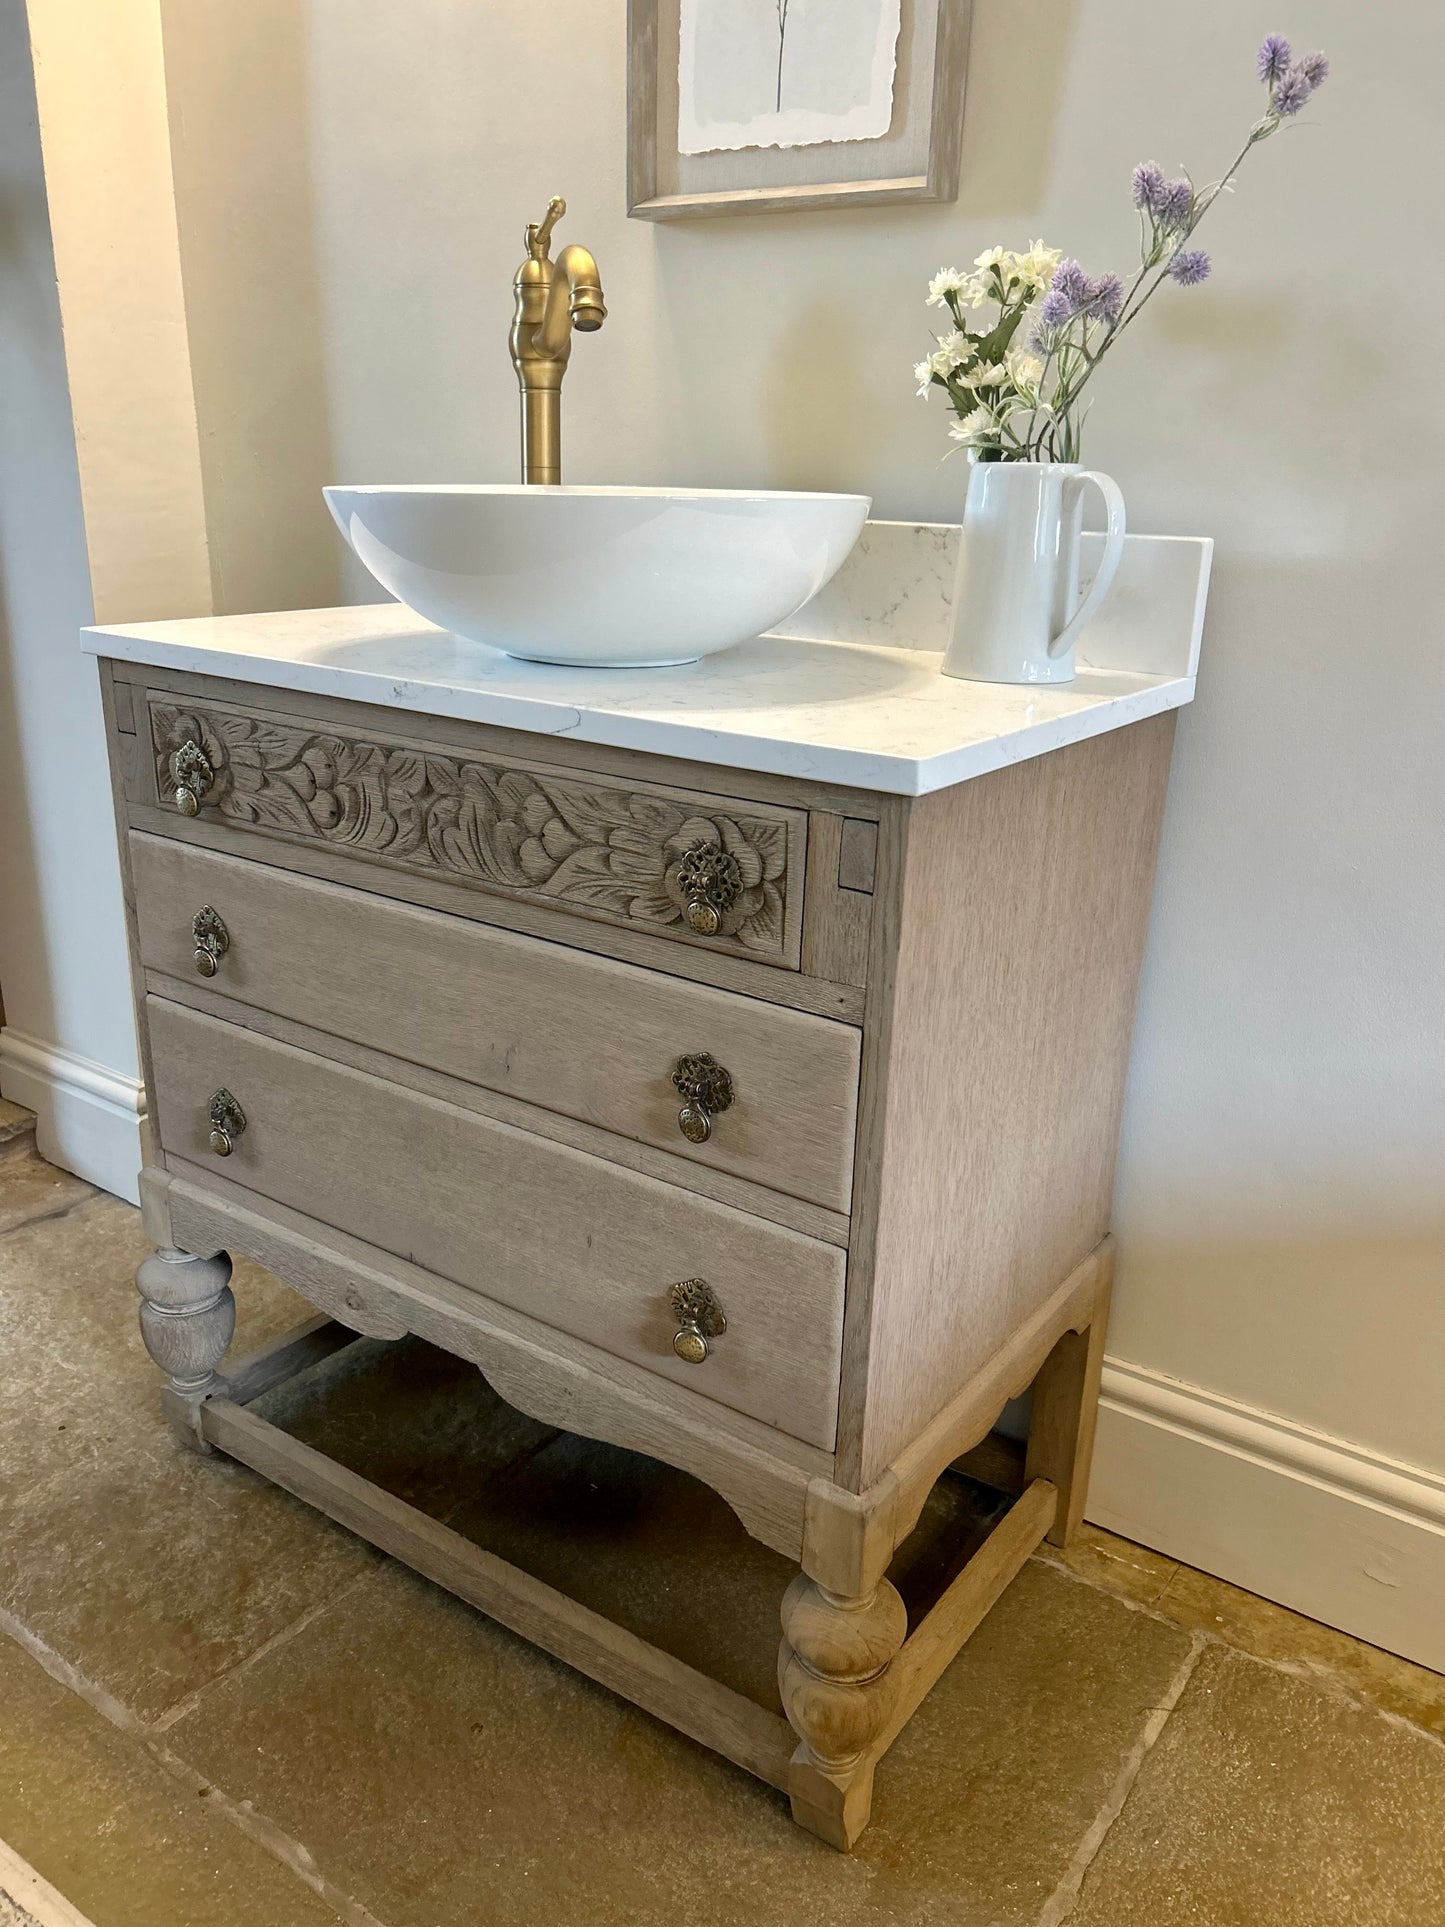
[
  {"x": 1340, "y": 1533},
  {"x": 88, "y": 1118}
]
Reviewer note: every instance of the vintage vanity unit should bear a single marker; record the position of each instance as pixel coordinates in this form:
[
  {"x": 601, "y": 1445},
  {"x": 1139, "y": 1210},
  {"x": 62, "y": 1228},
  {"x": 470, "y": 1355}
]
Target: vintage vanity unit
[{"x": 727, "y": 1061}]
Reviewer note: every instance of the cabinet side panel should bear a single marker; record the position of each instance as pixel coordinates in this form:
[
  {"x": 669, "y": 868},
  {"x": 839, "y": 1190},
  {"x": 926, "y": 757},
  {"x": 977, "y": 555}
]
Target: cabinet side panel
[{"x": 1025, "y": 908}]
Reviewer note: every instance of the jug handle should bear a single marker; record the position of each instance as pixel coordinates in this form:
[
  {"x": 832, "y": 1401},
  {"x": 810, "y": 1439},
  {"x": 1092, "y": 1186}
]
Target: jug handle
[{"x": 1108, "y": 568}]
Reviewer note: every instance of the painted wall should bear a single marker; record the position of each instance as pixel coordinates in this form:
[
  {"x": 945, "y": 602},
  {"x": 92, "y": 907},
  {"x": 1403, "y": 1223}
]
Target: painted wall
[
  {"x": 68, "y": 1049},
  {"x": 1280, "y": 1198}
]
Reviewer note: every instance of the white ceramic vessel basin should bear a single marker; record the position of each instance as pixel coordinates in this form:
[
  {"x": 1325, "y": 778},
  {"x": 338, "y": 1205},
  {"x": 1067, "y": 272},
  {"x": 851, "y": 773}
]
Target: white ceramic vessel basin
[{"x": 612, "y": 577}]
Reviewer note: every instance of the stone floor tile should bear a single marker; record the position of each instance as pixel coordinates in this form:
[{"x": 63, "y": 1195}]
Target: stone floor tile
[
  {"x": 664, "y": 1556},
  {"x": 146, "y": 1568},
  {"x": 412, "y": 1418},
  {"x": 153, "y": 1570},
  {"x": 1273, "y": 1632},
  {"x": 429, "y": 1761},
  {"x": 1134, "y": 1572},
  {"x": 119, "y": 1836},
  {"x": 31, "y": 1188},
  {"x": 78, "y": 1381},
  {"x": 1268, "y": 1803}
]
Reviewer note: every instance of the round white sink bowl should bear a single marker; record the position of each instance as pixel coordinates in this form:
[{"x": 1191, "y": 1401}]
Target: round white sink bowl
[{"x": 609, "y": 577}]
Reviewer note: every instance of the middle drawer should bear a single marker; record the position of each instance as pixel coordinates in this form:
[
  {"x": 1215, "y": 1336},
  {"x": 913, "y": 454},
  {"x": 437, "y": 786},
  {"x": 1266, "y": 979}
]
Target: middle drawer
[
  {"x": 582, "y": 1035},
  {"x": 580, "y": 1244}
]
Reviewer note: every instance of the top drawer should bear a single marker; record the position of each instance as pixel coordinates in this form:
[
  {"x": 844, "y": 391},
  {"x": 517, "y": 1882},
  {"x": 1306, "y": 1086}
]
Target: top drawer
[{"x": 707, "y": 870}]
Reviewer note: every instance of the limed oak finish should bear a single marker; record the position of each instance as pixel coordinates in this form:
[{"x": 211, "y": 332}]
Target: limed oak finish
[{"x": 758, "y": 1124}]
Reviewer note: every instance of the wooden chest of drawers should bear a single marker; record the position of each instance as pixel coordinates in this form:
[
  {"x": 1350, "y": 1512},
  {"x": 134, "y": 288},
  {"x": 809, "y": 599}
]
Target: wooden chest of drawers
[{"x": 761, "y": 1126}]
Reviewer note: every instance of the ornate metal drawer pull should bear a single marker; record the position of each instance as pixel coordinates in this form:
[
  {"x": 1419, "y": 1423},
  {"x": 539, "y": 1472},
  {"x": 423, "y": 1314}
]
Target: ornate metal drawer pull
[
  {"x": 711, "y": 881},
  {"x": 700, "y": 1317},
  {"x": 192, "y": 775},
  {"x": 706, "y": 1088},
  {"x": 212, "y": 940},
  {"x": 228, "y": 1121}
]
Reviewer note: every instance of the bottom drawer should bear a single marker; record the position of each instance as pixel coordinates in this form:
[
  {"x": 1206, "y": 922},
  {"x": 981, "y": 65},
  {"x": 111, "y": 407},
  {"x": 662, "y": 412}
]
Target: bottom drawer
[{"x": 581, "y": 1244}]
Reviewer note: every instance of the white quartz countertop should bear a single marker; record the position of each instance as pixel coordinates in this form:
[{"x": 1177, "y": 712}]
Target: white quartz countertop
[{"x": 862, "y": 714}]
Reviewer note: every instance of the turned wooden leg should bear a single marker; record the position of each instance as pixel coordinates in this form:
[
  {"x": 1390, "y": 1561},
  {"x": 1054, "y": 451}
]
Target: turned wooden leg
[
  {"x": 187, "y": 1316},
  {"x": 835, "y": 1676},
  {"x": 1064, "y": 1410}
]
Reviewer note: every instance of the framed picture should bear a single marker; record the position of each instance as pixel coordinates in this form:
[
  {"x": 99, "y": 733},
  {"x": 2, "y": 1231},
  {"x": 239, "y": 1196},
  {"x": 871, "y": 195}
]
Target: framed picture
[{"x": 739, "y": 106}]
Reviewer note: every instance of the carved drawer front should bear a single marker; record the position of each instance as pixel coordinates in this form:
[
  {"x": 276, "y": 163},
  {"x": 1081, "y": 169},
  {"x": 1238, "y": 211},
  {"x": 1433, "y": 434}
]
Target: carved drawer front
[
  {"x": 706, "y": 870},
  {"x": 589, "y": 1248},
  {"x": 578, "y": 1034}
]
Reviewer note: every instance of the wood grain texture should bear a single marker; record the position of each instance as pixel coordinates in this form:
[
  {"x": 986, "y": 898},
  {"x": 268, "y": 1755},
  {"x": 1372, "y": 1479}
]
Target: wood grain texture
[
  {"x": 285, "y": 1356},
  {"x": 581, "y": 1244},
  {"x": 991, "y": 1101},
  {"x": 715, "y": 1715},
  {"x": 776, "y": 1206},
  {"x": 838, "y": 919},
  {"x": 585, "y": 1036},
  {"x": 968, "y": 1416},
  {"x": 580, "y": 842},
  {"x": 857, "y": 854},
  {"x": 1063, "y": 1413},
  {"x": 765, "y": 982},
  {"x": 762, "y": 1474}
]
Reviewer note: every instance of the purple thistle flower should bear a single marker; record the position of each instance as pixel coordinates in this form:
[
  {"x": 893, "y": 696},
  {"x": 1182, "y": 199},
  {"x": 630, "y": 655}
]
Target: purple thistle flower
[
  {"x": 1316, "y": 69},
  {"x": 1106, "y": 298},
  {"x": 1149, "y": 187},
  {"x": 1189, "y": 267},
  {"x": 1273, "y": 60},
  {"x": 1072, "y": 283},
  {"x": 1057, "y": 309},
  {"x": 1178, "y": 203},
  {"x": 1291, "y": 93}
]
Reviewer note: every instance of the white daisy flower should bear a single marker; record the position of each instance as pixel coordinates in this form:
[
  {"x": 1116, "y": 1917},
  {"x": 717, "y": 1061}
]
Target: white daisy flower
[
  {"x": 974, "y": 428},
  {"x": 946, "y": 282}
]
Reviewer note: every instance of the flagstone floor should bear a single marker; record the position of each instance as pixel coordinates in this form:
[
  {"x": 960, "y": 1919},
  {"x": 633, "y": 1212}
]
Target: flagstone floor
[{"x": 216, "y": 1707}]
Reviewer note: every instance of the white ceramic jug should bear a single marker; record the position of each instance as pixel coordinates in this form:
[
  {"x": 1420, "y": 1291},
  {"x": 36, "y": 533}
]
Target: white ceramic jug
[{"x": 1017, "y": 614}]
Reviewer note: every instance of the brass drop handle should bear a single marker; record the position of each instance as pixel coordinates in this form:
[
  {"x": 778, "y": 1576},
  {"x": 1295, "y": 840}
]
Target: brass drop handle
[
  {"x": 711, "y": 881},
  {"x": 705, "y": 1088},
  {"x": 211, "y": 938},
  {"x": 228, "y": 1121},
  {"x": 699, "y": 1318},
  {"x": 192, "y": 774}
]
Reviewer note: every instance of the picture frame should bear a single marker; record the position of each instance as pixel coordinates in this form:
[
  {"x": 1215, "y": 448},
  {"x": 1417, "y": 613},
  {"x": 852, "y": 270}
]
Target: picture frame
[{"x": 916, "y": 160}]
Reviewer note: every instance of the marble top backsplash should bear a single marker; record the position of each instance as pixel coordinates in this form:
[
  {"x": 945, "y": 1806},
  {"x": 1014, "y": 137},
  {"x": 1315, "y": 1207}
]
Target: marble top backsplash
[{"x": 897, "y": 590}]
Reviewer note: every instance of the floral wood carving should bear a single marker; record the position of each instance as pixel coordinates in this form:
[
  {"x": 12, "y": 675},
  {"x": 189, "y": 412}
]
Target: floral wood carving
[{"x": 607, "y": 851}]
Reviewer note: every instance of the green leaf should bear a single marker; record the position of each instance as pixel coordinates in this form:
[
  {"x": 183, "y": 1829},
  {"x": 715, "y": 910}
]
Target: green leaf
[{"x": 994, "y": 346}]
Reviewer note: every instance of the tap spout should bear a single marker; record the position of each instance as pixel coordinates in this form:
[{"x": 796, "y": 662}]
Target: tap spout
[{"x": 574, "y": 300}]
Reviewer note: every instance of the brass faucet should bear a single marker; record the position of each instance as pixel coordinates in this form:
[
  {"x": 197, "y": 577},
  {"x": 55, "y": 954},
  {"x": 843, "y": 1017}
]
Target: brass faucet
[{"x": 553, "y": 298}]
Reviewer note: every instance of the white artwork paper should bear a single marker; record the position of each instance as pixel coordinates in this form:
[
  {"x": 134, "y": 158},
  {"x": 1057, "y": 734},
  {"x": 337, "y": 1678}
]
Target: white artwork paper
[{"x": 784, "y": 73}]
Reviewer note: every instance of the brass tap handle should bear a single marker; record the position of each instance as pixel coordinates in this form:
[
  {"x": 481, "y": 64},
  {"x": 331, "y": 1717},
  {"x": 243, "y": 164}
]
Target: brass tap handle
[
  {"x": 211, "y": 938},
  {"x": 711, "y": 881},
  {"x": 192, "y": 774},
  {"x": 539, "y": 233},
  {"x": 228, "y": 1121},
  {"x": 705, "y": 1088},
  {"x": 700, "y": 1317}
]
